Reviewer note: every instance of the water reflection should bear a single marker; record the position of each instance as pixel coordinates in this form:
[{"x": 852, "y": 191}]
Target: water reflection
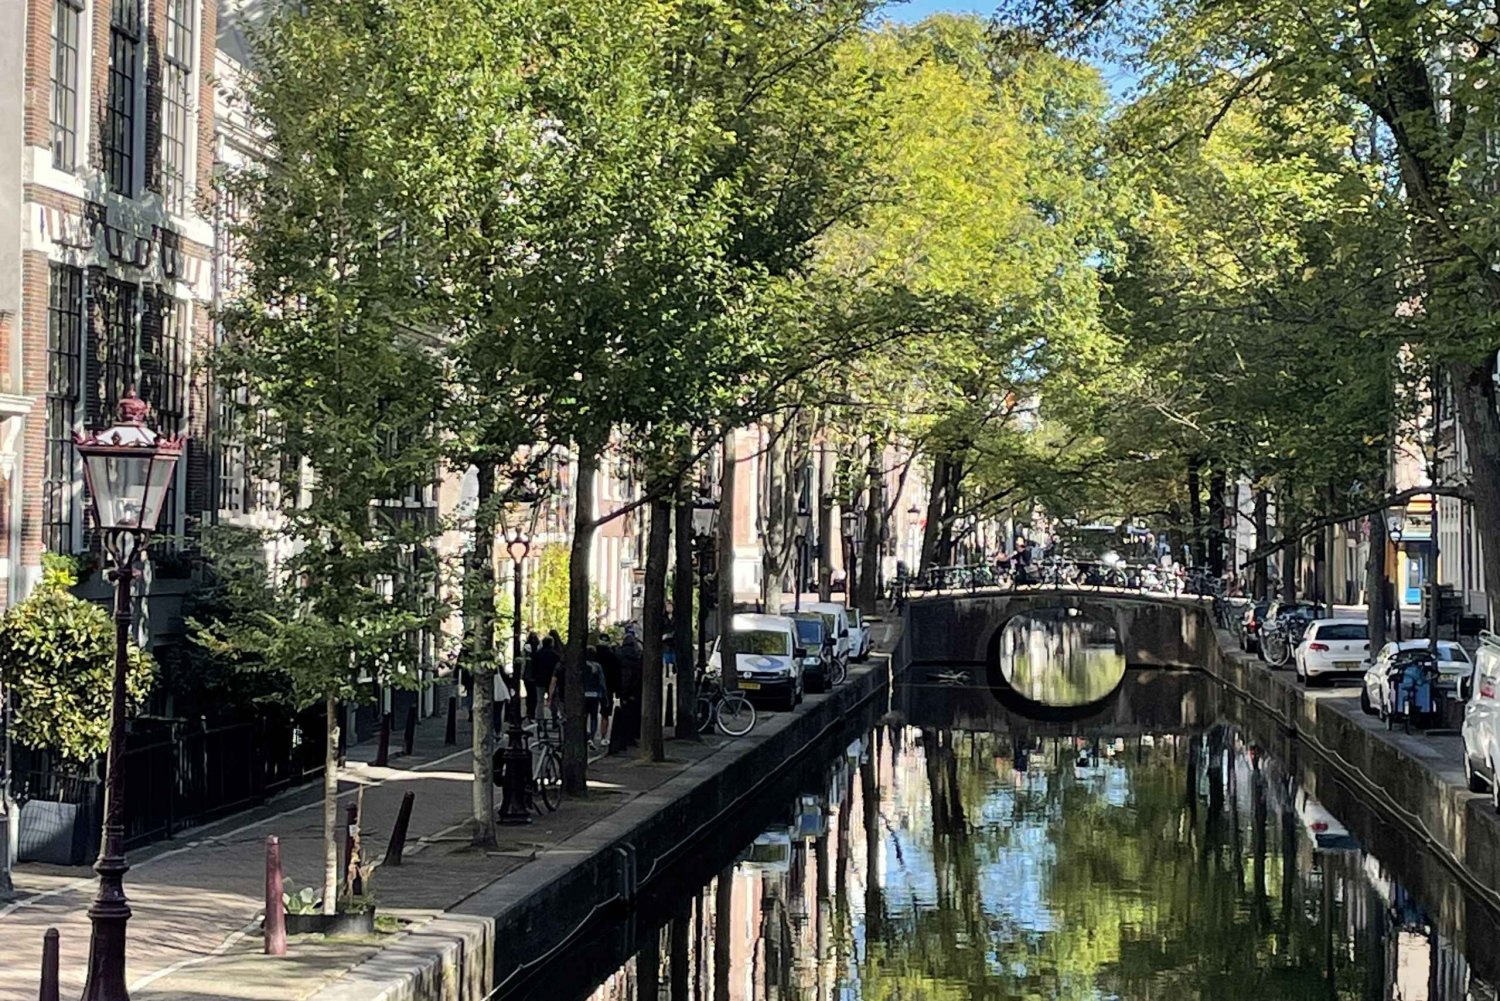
[
  {"x": 1058, "y": 657},
  {"x": 946, "y": 865}
]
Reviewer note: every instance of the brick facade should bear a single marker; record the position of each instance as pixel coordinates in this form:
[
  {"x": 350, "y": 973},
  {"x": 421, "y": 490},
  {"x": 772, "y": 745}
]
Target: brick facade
[{"x": 76, "y": 221}]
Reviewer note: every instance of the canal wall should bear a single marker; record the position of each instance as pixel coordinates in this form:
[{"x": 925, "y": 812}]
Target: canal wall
[
  {"x": 513, "y": 925},
  {"x": 1414, "y": 780}
]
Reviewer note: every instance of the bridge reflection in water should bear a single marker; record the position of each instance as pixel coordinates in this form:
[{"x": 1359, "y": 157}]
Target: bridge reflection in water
[
  {"x": 1060, "y": 657},
  {"x": 1153, "y": 843}
]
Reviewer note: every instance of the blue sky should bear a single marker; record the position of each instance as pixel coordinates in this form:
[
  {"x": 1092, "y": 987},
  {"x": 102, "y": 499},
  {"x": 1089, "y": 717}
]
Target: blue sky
[{"x": 915, "y": 10}]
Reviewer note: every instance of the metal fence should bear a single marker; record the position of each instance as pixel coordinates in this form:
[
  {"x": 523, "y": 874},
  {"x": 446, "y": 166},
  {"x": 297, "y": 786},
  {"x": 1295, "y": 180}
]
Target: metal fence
[{"x": 181, "y": 773}]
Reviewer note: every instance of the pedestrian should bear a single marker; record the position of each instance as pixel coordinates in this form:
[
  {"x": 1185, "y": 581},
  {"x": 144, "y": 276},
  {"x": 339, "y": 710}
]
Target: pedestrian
[
  {"x": 502, "y": 696},
  {"x": 609, "y": 661},
  {"x": 543, "y": 667},
  {"x": 594, "y": 692},
  {"x": 628, "y": 715}
]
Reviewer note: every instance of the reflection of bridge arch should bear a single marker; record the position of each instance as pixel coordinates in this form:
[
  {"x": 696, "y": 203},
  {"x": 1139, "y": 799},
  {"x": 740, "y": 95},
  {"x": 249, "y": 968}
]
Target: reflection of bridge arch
[
  {"x": 1055, "y": 658},
  {"x": 1154, "y": 631}
]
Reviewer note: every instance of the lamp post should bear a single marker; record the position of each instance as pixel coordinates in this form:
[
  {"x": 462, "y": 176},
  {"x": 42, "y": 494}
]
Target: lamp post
[
  {"x": 1395, "y": 523},
  {"x": 705, "y": 530},
  {"x": 804, "y": 528},
  {"x": 127, "y": 469},
  {"x": 515, "y": 805},
  {"x": 853, "y": 534}
]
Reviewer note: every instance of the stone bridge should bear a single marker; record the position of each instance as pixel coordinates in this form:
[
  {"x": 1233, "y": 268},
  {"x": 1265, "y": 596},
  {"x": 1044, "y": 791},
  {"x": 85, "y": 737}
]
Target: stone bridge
[{"x": 964, "y": 628}]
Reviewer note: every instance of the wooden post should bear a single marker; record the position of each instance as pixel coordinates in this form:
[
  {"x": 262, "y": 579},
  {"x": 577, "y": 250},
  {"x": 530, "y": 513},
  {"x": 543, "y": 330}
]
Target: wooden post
[
  {"x": 450, "y": 735},
  {"x": 383, "y": 754},
  {"x": 409, "y": 739},
  {"x": 49, "y": 990},
  {"x": 397, "y": 846},
  {"x": 275, "y": 926}
]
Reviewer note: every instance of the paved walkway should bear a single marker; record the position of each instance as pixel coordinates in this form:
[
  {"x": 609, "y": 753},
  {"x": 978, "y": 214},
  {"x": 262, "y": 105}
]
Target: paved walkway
[{"x": 197, "y": 900}]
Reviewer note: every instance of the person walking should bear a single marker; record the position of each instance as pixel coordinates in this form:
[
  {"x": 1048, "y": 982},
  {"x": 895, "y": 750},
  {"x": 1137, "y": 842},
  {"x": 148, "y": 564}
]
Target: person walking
[
  {"x": 628, "y": 716},
  {"x": 595, "y": 692},
  {"x": 609, "y": 660},
  {"x": 543, "y": 666}
]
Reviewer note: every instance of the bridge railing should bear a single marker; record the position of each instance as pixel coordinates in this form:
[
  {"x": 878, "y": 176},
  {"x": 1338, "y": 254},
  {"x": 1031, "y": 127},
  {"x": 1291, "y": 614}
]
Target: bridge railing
[{"x": 1060, "y": 573}]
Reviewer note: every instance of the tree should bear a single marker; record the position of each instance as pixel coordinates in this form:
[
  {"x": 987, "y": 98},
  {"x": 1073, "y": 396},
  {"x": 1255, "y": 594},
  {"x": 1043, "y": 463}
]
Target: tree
[
  {"x": 57, "y": 665},
  {"x": 324, "y": 342}
]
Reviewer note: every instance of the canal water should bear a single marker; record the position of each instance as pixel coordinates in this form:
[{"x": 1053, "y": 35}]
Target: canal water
[{"x": 1160, "y": 842}]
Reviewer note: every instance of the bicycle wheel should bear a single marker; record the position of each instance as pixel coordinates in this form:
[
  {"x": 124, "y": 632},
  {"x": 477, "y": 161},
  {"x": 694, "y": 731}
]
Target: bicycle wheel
[
  {"x": 736, "y": 715},
  {"x": 549, "y": 780},
  {"x": 703, "y": 713},
  {"x": 840, "y": 673}
]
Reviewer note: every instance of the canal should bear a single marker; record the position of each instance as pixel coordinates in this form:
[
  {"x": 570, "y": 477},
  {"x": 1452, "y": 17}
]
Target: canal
[{"x": 973, "y": 841}]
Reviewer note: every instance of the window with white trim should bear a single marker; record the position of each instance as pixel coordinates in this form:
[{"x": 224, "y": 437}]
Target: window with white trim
[
  {"x": 118, "y": 141},
  {"x": 67, "y": 18},
  {"x": 64, "y": 390},
  {"x": 177, "y": 75}
]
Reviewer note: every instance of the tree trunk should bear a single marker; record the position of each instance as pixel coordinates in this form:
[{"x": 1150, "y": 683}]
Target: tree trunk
[
  {"x": 575, "y": 763},
  {"x": 1330, "y": 555},
  {"x": 1474, "y": 397},
  {"x": 682, "y": 614},
  {"x": 828, "y": 527},
  {"x": 869, "y": 578},
  {"x": 1376, "y": 608},
  {"x": 331, "y": 807},
  {"x": 1217, "y": 485},
  {"x": 728, "y": 666},
  {"x": 479, "y": 627},
  {"x": 935, "y": 497},
  {"x": 1195, "y": 508},
  {"x": 1262, "y": 539},
  {"x": 654, "y": 617},
  {"x": 775, "y": 505}
]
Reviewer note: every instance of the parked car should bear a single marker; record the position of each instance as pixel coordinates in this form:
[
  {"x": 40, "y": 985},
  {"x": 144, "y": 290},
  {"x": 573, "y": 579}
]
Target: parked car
[
  {"x": 1250, "y": 623},
  {"x": 1327, "y": 834},
  {"x": 1481, "y": 729},
  {"x": 817, "y": 646},
  {"x": 1454, "y": 665},
  {"x": 1332, "y": 648},
  {"x": 861, "y": 640},
  {"x": 837, "y": 617},
  {"x": 1394, "y": 658},
  {"x": 767, "y": 657},
  {"x": 1282, "y": 629}
]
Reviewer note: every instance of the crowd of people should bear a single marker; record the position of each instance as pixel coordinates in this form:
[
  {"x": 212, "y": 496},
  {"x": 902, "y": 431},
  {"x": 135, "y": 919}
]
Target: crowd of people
[{"x": 612, "y": 675}]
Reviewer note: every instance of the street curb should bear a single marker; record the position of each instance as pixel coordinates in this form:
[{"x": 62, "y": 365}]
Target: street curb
[{"x": 499, "y": 932}]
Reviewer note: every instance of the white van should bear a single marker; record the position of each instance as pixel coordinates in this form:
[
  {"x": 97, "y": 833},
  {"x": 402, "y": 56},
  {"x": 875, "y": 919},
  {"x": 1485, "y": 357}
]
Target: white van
[
  {"x": 767, "y": 658},
  {"x": 1481, "y": 730},
  {"x": 837, "y": 617}
]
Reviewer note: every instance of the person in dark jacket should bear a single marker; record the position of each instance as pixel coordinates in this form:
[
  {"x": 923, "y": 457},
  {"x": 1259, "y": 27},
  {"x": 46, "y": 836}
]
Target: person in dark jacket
[
  {"x": 628, "y": 716},
  {"x": 543, "y": 668}
]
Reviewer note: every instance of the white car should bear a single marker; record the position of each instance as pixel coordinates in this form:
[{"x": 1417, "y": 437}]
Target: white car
[
  {"x": 768, "y": 658},
  {"x": 860, "y": 639},
  {"x": 1481, "y": 729},
  {"x": 1454, "y": 666},
  {"x": 1332, "y": 647},
  {"x": 837, "y": 617},
  {"x": 1327, "y": 834}
]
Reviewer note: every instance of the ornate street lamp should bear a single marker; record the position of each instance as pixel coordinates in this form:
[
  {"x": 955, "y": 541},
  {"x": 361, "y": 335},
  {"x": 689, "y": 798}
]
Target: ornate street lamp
[
  {"x": 127, "y": 469},
  {"x": 1395, "y": 525},
  {"x": 515, "y": 805},
  {"x": 804, "y": 529},
  {"x": 705, "y": 530}
]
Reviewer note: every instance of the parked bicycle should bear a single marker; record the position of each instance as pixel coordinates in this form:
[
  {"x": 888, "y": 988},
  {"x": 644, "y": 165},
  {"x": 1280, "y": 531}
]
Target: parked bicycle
[
  {"x": 731, "y": 712},
  {"x": 546, "y": 772}
]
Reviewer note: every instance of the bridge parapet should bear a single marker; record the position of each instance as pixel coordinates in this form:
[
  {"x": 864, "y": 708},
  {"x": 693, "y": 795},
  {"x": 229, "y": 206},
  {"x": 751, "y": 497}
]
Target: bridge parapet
[{"x": 1153, "y": 630}]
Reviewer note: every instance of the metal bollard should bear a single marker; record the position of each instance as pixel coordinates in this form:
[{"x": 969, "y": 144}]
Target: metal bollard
[
  {"x": 409, "y": 739},
  {"x": 275, "y": 927},
  {"x": 383, "y": 754},
  {"x": 450, "y": 735},
  {"x": 49, "y": 967},
  {"x": 397, "y": 846}
]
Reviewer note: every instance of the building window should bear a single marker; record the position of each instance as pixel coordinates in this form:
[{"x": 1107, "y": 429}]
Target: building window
[
  {"x": 116, "y": 353},
  {"x": 163, "y": 377},
  {"x": 64, "y": 383},
  {"x": 118, "y": 141},
  {"x": 177, "y": 77},
  {"x": 66, "y": 17}
]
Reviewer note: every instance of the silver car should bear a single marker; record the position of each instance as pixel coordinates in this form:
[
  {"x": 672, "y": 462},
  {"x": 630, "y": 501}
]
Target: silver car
[{"x": 1481, "y": 729}]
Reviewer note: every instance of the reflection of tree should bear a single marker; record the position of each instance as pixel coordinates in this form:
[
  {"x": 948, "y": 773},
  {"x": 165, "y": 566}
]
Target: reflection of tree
[{"x": 1060, "y": 661}]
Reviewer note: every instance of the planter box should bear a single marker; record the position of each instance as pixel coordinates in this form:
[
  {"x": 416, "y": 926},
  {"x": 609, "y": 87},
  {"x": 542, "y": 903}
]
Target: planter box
[{"x": 356, "y": 923}]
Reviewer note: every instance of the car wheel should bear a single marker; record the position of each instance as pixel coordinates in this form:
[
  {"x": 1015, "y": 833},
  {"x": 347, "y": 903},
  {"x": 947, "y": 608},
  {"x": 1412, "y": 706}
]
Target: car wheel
[
  {"x": 1364, "y": 702},
  {"x": 1471, "y": 776},
  {"x": 791, "y": 698}
]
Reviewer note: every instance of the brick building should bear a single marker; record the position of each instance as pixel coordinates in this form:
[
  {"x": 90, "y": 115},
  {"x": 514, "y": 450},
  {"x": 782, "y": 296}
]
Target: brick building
[{"x": 107, "y": 140}]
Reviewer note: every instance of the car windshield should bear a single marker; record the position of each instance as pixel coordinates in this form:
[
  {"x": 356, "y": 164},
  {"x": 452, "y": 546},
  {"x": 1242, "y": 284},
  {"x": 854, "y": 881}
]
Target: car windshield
[
  {"x": 810, "y": 631},
  {"x": 761, "y": 641},
  {"x": 1344, "y": 631},
  {"x": 1452, "y": 651}
]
